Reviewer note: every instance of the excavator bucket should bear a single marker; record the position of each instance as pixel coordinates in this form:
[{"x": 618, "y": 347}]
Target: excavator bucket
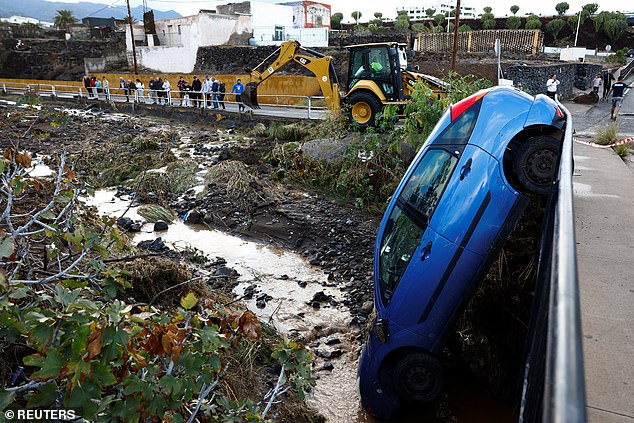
[{"x": 250, "y": 95}]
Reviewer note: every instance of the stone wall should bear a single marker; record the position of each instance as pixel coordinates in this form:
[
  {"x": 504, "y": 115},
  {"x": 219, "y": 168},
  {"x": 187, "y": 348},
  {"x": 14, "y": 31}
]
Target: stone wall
[
  {"x": 533, "y": 78},
  {"x": 343, "y": 39},
  {"x": 55, "y": 59}
]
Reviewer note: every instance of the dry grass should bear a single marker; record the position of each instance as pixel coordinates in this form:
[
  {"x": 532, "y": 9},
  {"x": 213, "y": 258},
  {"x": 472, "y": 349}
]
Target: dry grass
[
  {"x": 154, "y": 212},
  {"x": 608, "y": 134},
  {"x": 176, "y": 178},
  {"x": 623, "y": 150},
  {"x": 245, "y": 189}
]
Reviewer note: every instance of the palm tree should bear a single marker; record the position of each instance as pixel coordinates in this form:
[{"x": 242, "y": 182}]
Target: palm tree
[{"x": 64, "y": 19}]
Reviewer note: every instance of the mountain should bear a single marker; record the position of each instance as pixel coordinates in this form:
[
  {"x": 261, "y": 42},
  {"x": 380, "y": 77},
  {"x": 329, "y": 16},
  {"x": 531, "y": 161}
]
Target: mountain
[{"x": 46, "y": 10}]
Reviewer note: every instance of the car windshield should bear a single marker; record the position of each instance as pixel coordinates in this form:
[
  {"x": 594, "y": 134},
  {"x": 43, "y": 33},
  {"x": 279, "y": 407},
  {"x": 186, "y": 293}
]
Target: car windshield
[{"x": 410, "y": 216}]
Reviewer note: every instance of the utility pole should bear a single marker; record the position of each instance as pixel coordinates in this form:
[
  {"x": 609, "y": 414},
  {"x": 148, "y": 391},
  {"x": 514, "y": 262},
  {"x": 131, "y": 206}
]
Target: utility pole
[
  {"x": 132, "y": 36},
  {"x": 455, "y": 37},
  {"x": 578, "y": 25}
]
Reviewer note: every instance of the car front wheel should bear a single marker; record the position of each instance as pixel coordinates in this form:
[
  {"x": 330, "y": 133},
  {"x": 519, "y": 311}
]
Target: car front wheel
[
  {"x": 535, "y": 163},
  {"x": 418, "y": 377}
]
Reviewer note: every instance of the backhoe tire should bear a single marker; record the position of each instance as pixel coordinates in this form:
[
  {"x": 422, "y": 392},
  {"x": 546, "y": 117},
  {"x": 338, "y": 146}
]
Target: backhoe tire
[
  {"x": 536, "y": 162},
  {"x": 363, "y": 108}
]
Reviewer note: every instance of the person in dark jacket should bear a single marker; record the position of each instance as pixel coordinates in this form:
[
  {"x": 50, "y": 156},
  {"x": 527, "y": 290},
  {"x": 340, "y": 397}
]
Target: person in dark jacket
[
  {"x": 159, "y": 90},
  {"x": 221, "y": 94},
  {"x": 152, "y": 87},
  {"x": 214, "y": 92},
  {"x": 197, "y": 87},
  {"x": 607, "y": 84},
  {"x": 126, "y": 91},
  {"x": 87, "y": 85},
  {"x": 132, "y": 88}
]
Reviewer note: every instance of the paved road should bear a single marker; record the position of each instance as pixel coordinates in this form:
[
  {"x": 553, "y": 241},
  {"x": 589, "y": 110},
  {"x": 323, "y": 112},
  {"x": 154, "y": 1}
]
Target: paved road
[{"x": 604, "y": 218}]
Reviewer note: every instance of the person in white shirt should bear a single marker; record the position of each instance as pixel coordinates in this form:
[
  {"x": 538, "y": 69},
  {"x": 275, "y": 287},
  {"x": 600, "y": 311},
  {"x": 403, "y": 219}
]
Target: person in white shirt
[
  {"x": 551, "y": 86},
  {"x": 206, "y": 91},
  {"x": 596, "y": 83},
  {"x": 140, "y": 87},
  {"x": 167, "y": 88}
]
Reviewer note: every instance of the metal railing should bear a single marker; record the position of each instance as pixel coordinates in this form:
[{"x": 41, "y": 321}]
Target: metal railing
[
  {"x": 311, "y": 107},
  {"x": 553, "y": 384}
]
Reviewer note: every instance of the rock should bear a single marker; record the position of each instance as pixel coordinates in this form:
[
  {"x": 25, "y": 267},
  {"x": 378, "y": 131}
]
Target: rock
[
  {"x": 284, "y": 277},
  {"x": 315, "y": 304},
  {"x": 333, "y": 341},
  {"x": 193, "y": 217},
  {"x": 134, "y": 227},
  {"x": 260, "y": 304},
  {"x": 302, "y": 284},
  {"x": 367, "y": 307},
  {"x": 160, "y": 226},
  {"x": 155, "y": 245},
  {"x": 249, "y": 291},
  {"x": 320, "y": 297},
  {"x": 328, "y": 366},
  {"x": 226, "y": 272},
  {"x": 124, "y": 223},
  {"x": 327, "y": 352}
]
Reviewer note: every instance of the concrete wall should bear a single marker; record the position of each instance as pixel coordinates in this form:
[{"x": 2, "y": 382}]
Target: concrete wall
[{"x": 533, "y": 78}]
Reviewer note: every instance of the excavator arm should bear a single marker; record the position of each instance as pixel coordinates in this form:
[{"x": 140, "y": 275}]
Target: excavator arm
[{"x": 291, "y": 51}]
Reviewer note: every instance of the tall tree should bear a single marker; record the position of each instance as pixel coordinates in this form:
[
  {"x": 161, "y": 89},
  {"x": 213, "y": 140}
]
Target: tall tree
[
  {"x": 554, "y": 27},
  {"x": 591, "y": 8},
  {"x": 430, "y": 12},
  {"x": 378, "y": 15},
  {"x": 402, "y": 21},
  {"x": 356, "y": 15},
  {"x": 64, "y": 19},
  {"x": 513, "y": 22},
  {"x": 614, "y": 26},
  {"x": 487, "y": 18},
  {"x": 514, "y": 9},
  {"x": 335, "y": 20},
  {"x": 562, "y": 7},
  {"x": 533, "y": 22},
  {"x": 439, "y": 18}
]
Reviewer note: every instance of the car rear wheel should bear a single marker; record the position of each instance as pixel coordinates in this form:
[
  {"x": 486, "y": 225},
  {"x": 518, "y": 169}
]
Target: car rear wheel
[
  {"x": 363, "y": 108},
  {"x": 535, "y": 163},
  {"x": 418, "y": 377}
]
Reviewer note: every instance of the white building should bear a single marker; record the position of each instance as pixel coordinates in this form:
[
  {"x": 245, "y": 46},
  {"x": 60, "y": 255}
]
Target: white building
[
  {"x": 25, "y": 20},
  {"x": 440, "y": 6},
  {"x": 174, "y": 47}
]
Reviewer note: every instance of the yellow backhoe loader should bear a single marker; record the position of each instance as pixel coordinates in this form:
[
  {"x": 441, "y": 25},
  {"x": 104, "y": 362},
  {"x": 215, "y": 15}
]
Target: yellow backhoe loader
[{"x": 377, "y": 76}]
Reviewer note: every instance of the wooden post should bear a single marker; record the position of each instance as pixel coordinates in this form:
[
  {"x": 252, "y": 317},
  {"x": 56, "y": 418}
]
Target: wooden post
[
  {"x": 455, "y": 37},
  {"x": 132, "y": 36}
]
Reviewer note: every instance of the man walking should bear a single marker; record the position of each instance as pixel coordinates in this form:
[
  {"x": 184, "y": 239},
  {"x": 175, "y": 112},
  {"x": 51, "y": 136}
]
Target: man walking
[
  {"x": 551, "y": 87},
  {"x": 238, "y": 89},
  {"x": 607, "y": 84},
  {"x": 618, "y": 91}
]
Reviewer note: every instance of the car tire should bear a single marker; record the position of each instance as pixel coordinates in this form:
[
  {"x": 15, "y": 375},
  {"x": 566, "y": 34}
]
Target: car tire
[
  {"x": 418, "y": 377},
  {"x": 535, "y": 164},
  {"x": 364, "y": 107}
]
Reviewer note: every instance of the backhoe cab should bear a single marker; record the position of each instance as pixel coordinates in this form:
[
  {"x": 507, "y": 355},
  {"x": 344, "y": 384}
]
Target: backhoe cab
[{"x": 377, "y": 76}]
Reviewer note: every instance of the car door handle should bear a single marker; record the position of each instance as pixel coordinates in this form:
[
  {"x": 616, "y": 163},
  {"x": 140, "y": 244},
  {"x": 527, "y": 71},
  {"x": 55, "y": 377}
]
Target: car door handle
[
  {"x": 465, "y": 169},
  {"x": 424, "y": 254}
]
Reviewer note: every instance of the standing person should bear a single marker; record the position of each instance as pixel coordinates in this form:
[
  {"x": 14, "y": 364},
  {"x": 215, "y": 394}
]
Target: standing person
[
  {"x": 238, "y": 89},
  {"x": 596, "y": 83},
  {"x": 87, "y": 85},
  {"x": 618, "y": 91},
  {"x": 607, "y": 84},
  {"x": 180, "y": 84},
  {"x": 167, "y": 88},
  {"x": 152, "y": 88},
  {"x": 206, "y": 90},
  {"x": 106, "y": 87},
  {"x": 551, "y": 86},
  {"x": 99, "y": 87},
  {"x": 159, "y": 89},
  {"x": 214, "y": 90},
  {"x": 124, "y": 85},
  {"x": 140, "y": 88},
  {"x": 93, "y": 86},
  {"x": 197, "y": 88},
  {"x": 132, "y": 89},
  {"x": 221, "y": 94}
]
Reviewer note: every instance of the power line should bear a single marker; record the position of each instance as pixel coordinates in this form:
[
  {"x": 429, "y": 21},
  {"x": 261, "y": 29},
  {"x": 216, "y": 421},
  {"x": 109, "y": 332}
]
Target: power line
[{"x": 104, "y": 8}]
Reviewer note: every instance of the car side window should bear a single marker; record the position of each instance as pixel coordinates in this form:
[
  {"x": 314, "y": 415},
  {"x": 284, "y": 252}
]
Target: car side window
[
  {"x": 410, "y": 216},
  {"x": 459, "y": 131}
]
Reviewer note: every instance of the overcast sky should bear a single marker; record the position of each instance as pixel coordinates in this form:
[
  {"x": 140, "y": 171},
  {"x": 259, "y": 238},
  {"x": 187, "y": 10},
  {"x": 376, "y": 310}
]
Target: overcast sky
[{"x": 387, "y": 7}]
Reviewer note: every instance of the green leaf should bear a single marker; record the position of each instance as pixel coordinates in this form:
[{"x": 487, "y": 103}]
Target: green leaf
[
  {"x": 6, "y": 399},
  {"x": 41, "y": 335},
  {"x": 215, "y": 362},
  {"x": 103, "y": 373},
  {"x": 47, "y": 394},
  {"x": 84, "y": 397},
  {"x": 50, "y": 366},
  {"x": 189, "y": 301},
  {"x": 7, "y": 247}
]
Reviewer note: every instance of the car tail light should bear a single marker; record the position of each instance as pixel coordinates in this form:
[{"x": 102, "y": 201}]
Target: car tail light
[
  {"x": 458, "y": 108},
  {"x": 559, "y": 113}
]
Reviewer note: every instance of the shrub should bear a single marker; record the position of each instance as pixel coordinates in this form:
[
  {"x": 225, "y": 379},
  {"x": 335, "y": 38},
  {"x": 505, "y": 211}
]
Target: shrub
[
  {"x": 623, "y": 150},
  {"x": 513, "y": 22},
  {"x": 608, "y": 134}
]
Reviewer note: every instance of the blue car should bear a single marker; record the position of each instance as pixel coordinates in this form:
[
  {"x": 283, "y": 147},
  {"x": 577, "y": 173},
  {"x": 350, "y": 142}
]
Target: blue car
[{"x": 458, "y": 202}]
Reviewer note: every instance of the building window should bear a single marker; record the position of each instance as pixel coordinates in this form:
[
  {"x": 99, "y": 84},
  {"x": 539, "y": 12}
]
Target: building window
[{"x": 279, "y": 33}]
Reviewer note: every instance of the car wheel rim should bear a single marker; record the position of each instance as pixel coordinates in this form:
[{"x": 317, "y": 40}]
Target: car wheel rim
[
  {"x": 540, "y": 166},
  {"x": 361, "y": 112},
  {"x": 418, "y": 380}
]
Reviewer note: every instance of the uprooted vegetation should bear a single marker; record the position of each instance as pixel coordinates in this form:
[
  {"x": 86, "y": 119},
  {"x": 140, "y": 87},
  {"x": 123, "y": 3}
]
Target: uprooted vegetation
[{"x": 72, "y": 338}]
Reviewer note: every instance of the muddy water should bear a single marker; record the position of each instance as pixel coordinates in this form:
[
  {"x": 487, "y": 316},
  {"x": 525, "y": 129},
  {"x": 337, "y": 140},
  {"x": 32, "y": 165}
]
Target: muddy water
[{"x": 291, "y": 283}]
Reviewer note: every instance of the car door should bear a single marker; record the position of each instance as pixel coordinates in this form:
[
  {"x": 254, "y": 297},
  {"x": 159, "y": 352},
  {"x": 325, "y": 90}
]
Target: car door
[{"x": 411, "y": 258}]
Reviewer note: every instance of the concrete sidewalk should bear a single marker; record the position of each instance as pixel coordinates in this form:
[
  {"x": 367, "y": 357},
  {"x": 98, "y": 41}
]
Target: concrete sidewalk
[{"x": 604, "y": 217}]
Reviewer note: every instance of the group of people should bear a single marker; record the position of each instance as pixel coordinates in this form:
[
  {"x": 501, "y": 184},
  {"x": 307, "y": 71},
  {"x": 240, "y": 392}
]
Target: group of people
[
  {"x": 605, "y": 78},
  {"x": 204, "y": 93},
  {"x": 208, "y": 92},
  {"x": 94, "y": 86}
]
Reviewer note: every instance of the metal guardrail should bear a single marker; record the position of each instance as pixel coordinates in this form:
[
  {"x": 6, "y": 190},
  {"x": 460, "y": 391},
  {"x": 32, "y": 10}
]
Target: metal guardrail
[
  {"x": 553, "y": 388},
  {"x": 307, "y": 104}
]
